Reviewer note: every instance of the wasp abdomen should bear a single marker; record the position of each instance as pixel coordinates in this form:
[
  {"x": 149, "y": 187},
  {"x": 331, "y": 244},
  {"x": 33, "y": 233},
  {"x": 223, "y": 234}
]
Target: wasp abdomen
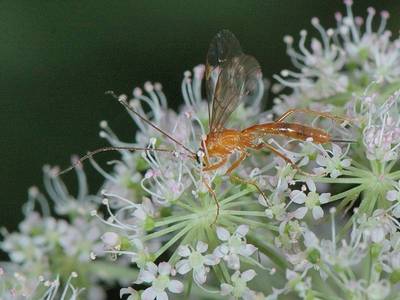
[{"x": 291, "y": 130}]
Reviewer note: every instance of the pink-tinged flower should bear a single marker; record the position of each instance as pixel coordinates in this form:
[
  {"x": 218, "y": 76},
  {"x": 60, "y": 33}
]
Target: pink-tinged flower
[{"x": 333, "y": 162}]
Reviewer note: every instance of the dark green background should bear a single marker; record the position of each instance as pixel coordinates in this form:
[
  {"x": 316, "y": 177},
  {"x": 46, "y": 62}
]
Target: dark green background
[{"x": 58, "y": 57}]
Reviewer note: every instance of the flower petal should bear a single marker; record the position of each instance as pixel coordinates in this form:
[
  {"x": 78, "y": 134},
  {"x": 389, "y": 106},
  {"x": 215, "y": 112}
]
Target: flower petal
[
  {"x": 242, "y": 230},
  {"x": 200, "y": 275},
  {"x": 175, "y": 286},
  {"x": 335, "y": 173},
  {"x": 226, "y": 289},
  {"x": 184, "y": 251},
  {"x": 110, "y": 239},
  {"x": 149, "y": 294},
  {"x": 310, "y": 239},
  {"x": 377, "y": 234},
  {"x": 297, "y": 196},
  {"x": 162, "y": 296},
  {"x": 211, "y": 260},
  {"x": 152, "y": 267},
  {"x": 247, "y": 250},
  {"x": 126, "y": 291},
  {"x": 164, "y": 268},
  {"x": 324, "y": 198},
  {"x": 321, "y": 160},
  {"x": 300, "y": 212},
  {"x": 223, "y": 234},
  {"x": 233, "y": 261},
  {"x": 336, "y": 150},
  {"x": 201, "y": 247},
  {"x": 391, "y": 195},
  {"x": 345, "y": 163},
  {"x": 221, "y": 250},
  {"x": 319, "y": 171},
  {"x": 183, "y": 266},
  {"x": 248, "y": 275},
  {"x": 317, "y": 212},
  {"x": 311, "y": 185},
  {"x": 145, "y": 276}
]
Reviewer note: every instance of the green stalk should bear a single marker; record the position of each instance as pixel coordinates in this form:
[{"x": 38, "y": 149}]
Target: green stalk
[
  {"x": 335, "y": 180},
  {"x": 269, "y": 251},
  {"x": 244, "y": 213},
  {"x": 169, "y": 220},
  {"x": 165, "y": 231},
  {"x": 172, "y": 241},
  {"x": 355, "y": 190},
  {"x": 237, "y": 195},
  {"x": 252, "y": 222},
  {"x": 111, "y": 271}
]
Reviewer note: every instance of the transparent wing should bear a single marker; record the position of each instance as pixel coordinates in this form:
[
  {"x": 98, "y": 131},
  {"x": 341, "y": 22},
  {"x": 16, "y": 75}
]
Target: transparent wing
[
  {"x": 231, "y": 77},
  {"x": 237, "y": 82},
  {"x": 223, "y": 47}
]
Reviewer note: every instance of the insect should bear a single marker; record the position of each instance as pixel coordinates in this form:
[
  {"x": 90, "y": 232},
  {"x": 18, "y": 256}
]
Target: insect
[{"x": 231, "y": 78}]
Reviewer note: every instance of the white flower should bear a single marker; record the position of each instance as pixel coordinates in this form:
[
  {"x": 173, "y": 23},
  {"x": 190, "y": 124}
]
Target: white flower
[
  {"x": 378, "y": 290},
  {"x": 238, "y": 288},
  {"x": 297, "y": 282},
  {"x": 196, "y": 261},
  {"x": 141, "y": 254},
  {"x": 159, "y": 277},
  {"x": 332, "y": 164},
  {"x": 133, "y": 294},
  {"x": 394, "y": 195},
  {"x": 233, "y": 246},
  {"x": 111, "y": 240},
  {"x": 312, "y": 201},
  {"x": 381, "y": 136},
  {"x": 319, "y": 67},
  {"x": 376, "y": 227}
]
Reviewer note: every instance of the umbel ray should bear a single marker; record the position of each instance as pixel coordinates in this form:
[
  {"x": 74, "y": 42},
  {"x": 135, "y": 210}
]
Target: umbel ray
[{"x": 231, "y": 78}]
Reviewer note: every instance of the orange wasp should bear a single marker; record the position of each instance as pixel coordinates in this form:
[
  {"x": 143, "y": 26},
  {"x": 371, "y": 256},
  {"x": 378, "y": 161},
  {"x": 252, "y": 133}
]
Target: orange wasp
[{"x": 232, "y": 78}]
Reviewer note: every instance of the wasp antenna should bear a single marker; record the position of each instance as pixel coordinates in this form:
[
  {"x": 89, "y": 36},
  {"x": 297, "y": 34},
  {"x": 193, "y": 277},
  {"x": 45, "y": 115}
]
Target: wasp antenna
[
  {"x": 343, "y": 141},
  {"x": 79, "y": 161},
  {"x": 123, "y": 100}
]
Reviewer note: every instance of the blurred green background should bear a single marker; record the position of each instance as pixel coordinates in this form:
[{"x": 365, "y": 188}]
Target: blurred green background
[{"x": 57, "y": 58}]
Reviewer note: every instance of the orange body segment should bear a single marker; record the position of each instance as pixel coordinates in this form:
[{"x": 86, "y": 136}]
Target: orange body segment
[{"x": 222, "y": 144}]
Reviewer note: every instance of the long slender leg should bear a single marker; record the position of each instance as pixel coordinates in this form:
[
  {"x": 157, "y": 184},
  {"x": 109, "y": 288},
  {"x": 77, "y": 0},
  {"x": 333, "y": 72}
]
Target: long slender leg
[
  {"x": 216, "y": 165},
  {"x": 312, "y": 112},
  {"x": 251, "y": 182},
  {"x": 214, "y": 196},
  {"x": 283, "y": 156},
  {"x": 236, "y": 163}
]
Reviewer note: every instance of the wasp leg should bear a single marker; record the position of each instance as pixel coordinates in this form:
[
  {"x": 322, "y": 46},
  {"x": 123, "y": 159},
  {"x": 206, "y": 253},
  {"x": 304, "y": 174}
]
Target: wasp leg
[
  {"x": 311, "y": 112},
  {"x": 236, "y": 163},
  {"x": 216, "y": 165},
  {"x": 283, "y": 156},
  {"x": 251, "y": 182},
  {"x": 214, "y": 196}
]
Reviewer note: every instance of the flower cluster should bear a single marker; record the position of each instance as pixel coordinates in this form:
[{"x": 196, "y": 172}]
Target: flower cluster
[
  {"x": 322, "y": 227},
  {"x": 51, "y": 257}
]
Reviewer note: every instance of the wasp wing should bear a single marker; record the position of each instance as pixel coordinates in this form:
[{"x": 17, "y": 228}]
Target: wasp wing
[
  {"x": 223, "y": 46},
  {"x": 237, "y": 82},
  {"x": 231, "y": 76}
]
